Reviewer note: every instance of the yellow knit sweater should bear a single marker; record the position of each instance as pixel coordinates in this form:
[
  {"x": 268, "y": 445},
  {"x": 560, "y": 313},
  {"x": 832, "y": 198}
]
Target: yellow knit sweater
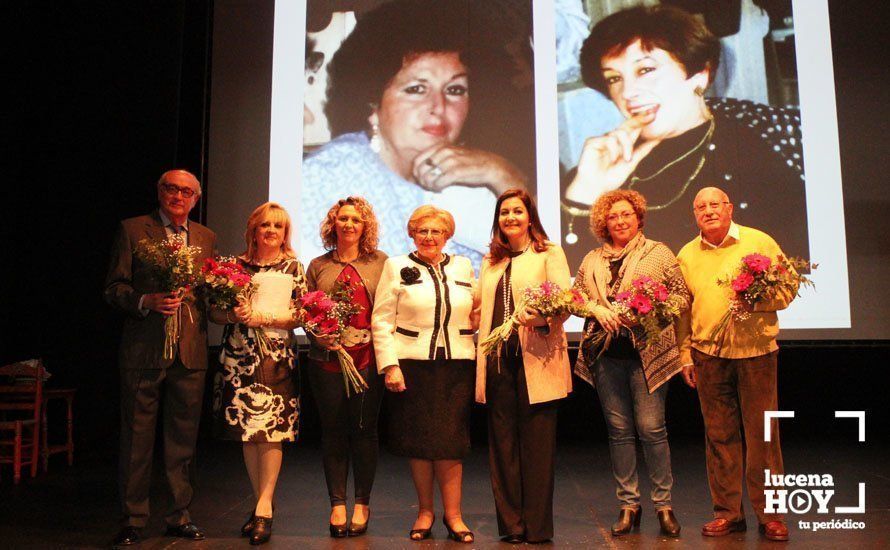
[{"x": 702, "y": 265}]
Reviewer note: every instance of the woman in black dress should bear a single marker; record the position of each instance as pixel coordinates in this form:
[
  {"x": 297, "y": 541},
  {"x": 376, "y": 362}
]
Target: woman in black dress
[{"x": 256, "y": 395}]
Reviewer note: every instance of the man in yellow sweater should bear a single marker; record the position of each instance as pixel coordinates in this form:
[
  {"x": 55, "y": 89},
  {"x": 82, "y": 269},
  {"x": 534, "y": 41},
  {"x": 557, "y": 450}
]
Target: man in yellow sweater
[{"x": 735, "y": 377}]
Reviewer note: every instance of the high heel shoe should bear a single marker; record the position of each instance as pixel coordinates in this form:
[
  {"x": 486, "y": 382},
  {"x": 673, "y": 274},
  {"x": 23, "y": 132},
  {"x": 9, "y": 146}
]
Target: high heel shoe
[
  {"x": 262, "y": 531},
  {"x": 359, "y": 529},
  {"x": 465, "y": 537},
  {"x": 422, "y": 534},
  {"x": 338, "y": 531},
  {"x": 628, "y": 518},
  {"x": 670, "y": 527},
  {"x": 248, "y": 525}
]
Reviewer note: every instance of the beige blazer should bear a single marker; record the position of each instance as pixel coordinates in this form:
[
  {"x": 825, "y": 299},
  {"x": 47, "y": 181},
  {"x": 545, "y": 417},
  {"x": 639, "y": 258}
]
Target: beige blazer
[{"x": 545, "y": 356}]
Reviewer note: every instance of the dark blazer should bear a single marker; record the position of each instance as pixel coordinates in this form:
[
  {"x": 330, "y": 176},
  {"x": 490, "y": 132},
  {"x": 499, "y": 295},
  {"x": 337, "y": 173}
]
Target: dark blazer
[{"x": 142, "y": 340}]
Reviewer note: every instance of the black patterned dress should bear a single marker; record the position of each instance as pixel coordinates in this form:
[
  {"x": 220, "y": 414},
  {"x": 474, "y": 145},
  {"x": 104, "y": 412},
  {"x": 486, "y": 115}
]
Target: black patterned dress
[{"x": 254, "y": 399}]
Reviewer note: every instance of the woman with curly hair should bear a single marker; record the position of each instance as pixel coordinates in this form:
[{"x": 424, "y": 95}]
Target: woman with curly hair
[
  {"x": 630, "y": 378},
  {"x": 348, "y": 423},
  {"x": 399, "y": 100}
]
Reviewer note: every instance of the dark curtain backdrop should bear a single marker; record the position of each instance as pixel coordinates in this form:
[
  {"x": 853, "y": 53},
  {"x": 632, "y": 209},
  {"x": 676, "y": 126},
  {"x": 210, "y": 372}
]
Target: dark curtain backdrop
[{"x": 107, "y": 95}]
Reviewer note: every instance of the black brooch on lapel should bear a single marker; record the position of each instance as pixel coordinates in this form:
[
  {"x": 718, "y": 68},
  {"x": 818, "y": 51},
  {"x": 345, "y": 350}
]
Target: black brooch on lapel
[{"x": 410, "y": 275}]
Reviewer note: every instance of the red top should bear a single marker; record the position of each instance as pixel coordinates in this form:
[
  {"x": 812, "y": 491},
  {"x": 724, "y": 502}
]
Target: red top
[{"x": 362, "y": 353}]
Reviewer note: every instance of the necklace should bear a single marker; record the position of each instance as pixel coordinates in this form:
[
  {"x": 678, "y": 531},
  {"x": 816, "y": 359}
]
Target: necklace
[
  {"x": 705, "y": 140},
  {"x": 508, "y": 284},
  {"x": 260, "y": 263},
  {"x": 508, "y": 292}
]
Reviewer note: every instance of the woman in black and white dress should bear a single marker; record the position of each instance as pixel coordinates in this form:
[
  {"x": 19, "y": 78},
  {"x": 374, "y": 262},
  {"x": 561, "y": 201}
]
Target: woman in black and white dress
[
  {"x": 256, "y": 397},
  {"x": 423, "y": 340}
]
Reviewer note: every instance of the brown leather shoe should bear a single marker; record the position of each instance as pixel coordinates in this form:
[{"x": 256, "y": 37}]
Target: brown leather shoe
[
  {"x": 628, "y": 519},
  {"x": 775, "y": 530},
  {"x": 670, "y": 527},
  {"x": 721, "y": 527}
]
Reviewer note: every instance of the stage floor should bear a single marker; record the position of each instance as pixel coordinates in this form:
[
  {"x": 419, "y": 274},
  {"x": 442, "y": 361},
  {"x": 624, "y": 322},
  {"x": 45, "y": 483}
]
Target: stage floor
[{"x": 76, "y": 507}]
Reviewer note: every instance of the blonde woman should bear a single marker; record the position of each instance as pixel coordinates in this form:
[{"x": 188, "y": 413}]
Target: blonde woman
[
  {"x": 423, "y": 339},
  {"x": 256, "y": 396}
]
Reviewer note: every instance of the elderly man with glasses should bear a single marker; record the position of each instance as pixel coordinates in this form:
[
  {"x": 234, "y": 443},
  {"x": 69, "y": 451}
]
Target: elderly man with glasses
[
  {"x": 146, "y": 374},
  {"x": 735, "y": 378}
]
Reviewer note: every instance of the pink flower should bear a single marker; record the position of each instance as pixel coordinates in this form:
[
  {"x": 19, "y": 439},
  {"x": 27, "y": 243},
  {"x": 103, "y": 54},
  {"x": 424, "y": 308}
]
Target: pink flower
[
  {"x": 661, "y": 292},
  {"x": 577, "y": 297},
  {"x": 547, "y": 288},
  {"x": 328, "y": 326},
  {"x": 757, "y": 263},
  {"x": 623, "y": 297},
  {"x": 310, "y": 298},
  {"x": 742, "y": 282},
  {"x": 641, "y": 304},
  {"x": 325, "y": 304},
  {"x": 641, "y": 282}
]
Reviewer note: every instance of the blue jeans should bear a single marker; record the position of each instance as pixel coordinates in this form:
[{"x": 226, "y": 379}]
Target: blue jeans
[{"x": 630, "y": 410}]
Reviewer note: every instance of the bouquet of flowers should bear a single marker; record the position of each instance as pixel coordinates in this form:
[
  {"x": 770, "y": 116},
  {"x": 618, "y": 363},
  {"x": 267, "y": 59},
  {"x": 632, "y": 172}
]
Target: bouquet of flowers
[
  {"x": 325, "y": 315},
  {"x": 649, "y": 304},
  {"x": 548, "y": 299},
  {"x": 171, "y": 263},
  {"x": 224, "y": 281},
  {"x": 759, "y": 278}
]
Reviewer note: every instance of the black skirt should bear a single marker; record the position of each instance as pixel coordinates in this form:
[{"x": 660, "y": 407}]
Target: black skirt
[{"x": 431, "y": 418}]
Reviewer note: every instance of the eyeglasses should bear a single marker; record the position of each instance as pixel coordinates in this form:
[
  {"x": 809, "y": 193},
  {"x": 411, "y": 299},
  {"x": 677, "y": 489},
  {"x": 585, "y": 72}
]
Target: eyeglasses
[
  {"x": 434, "y": 233},
  {"x": 172, "y": 190},
  {"x": 713, "y": 205},
  {"x": 612, "y": 218}
]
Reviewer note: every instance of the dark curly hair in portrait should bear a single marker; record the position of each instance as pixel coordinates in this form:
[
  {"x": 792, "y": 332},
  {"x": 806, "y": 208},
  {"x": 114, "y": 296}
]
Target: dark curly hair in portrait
[
  {"x": 488, "y": 36},
  {"x": 671, "y": 29}
]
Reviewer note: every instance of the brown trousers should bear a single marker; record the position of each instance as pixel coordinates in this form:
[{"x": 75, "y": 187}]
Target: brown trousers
[
  {"x": 734, "y": 393},
  {"x": 521, "y": 453}
]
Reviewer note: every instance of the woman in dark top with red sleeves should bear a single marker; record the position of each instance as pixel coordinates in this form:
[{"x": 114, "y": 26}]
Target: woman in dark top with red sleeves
[{"x": 349, "y": 423}]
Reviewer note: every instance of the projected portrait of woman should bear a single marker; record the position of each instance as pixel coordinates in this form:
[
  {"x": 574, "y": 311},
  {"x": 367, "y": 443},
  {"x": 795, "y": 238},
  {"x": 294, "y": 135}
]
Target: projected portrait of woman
[
  {"x": 667, "y": 140},
  {"x": 427, "y": 103}
]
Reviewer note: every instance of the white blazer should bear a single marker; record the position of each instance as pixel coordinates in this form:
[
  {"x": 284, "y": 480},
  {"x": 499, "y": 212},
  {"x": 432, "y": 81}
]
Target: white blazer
[{"x": 416, "y": 310}]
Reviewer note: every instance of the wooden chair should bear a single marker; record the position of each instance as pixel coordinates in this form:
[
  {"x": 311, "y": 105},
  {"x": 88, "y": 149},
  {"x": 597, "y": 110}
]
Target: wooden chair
[
  {"x": 47, "y": 449},
  {"x": 21, "y": 395}
]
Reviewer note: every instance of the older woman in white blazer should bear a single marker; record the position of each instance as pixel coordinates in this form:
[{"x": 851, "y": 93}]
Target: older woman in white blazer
[
  {"x": 423, "y": 340},
  {"x": 522, "y": 385}
]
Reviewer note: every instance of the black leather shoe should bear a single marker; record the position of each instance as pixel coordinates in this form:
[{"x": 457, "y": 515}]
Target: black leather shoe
[
  {"x": 513, "y": 539},
  {"x": 465, "y": 537},
  {"x": 359, "y": 529},
  {"x": 248, "y": 526},
  {"x": 186, "y": 531},
  {"x": 628, "y": 518},
  {"x": 422, "y": 534},
  {"x": 262, "y": 531},
  {"x": 127, "y": 536},
  {"x": 670, "y": 527},
  {"x": 338, "y": 531}
]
